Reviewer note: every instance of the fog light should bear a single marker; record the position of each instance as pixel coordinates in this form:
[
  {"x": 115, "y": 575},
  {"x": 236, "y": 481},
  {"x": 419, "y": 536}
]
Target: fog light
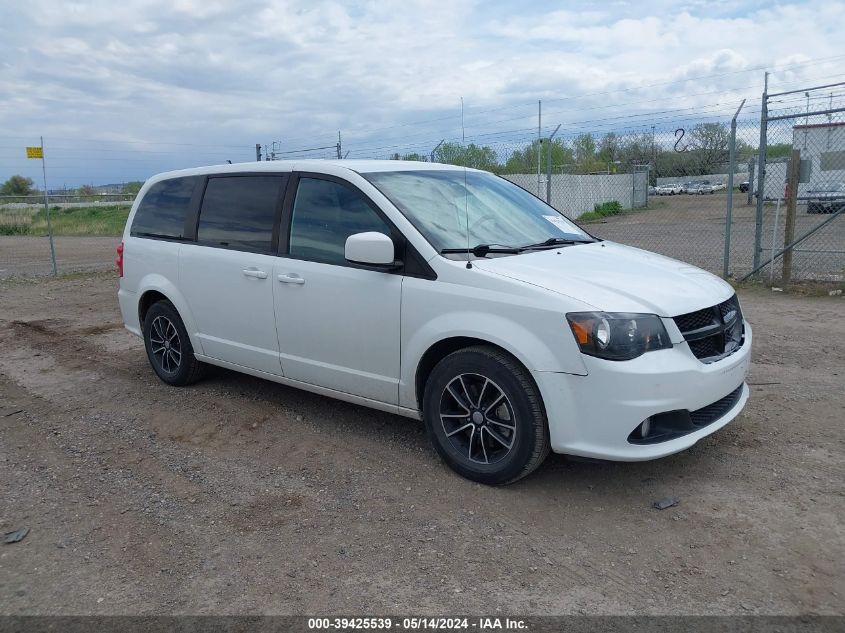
[{"x": 645, "y": 427}]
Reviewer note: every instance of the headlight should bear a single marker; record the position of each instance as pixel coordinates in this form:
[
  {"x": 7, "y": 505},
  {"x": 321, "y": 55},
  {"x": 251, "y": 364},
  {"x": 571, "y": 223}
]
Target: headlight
[{"x": 618, "y": 335}]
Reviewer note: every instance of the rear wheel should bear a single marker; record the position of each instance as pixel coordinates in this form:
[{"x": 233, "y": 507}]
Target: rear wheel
[
  {"x": 485, "y": 417},
  {"x": 169, "y": 349}
]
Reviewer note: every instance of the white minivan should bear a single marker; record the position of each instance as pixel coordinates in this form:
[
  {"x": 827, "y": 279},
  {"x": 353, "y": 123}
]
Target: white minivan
[{"x": 435, "y": 292}]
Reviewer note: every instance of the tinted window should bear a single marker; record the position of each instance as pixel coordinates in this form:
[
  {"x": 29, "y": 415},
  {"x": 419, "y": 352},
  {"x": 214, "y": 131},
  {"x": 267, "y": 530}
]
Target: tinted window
[
  {"x": 325, "y": 213},
  {"x": 162, "y": 211},
  {"x": 239, "y": 212}
]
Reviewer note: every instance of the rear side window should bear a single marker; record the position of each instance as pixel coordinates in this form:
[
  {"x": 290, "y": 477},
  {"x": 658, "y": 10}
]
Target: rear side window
[
  {"x": 240, "y": 212},
  {"x": 162, "y": 211},
  {"x": 325, "y": 213}
]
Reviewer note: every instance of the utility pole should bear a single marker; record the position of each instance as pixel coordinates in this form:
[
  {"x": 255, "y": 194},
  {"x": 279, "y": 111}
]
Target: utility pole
[
  {"x": 339, "y": 147},
  {"x": 653, "y": 151},
  {"x": 258, "y": 152}
]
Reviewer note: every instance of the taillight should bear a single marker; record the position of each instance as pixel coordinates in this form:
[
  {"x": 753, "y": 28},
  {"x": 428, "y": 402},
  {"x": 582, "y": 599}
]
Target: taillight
[{"x": 119, "y": 260}]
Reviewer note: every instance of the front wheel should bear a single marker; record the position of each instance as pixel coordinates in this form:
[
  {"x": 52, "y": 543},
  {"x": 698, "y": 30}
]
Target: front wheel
[{"x": 485, "y": 417}]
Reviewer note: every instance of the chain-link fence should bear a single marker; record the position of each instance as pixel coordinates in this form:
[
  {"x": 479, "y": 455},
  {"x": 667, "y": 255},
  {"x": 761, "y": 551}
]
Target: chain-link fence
[
  {"x": 85, "y": 232},
  {"x": 672, "y": 188},
  {"x": 799, "y": 187}
]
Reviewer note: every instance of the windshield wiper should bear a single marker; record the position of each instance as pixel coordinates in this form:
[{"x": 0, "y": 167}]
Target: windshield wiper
[
  {"x": 481, "y": 250},
  {"x": 555, "y": 241}
]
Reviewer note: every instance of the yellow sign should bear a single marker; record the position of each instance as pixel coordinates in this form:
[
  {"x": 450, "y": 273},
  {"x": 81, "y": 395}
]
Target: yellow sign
[{"x": 34, "y": 152}]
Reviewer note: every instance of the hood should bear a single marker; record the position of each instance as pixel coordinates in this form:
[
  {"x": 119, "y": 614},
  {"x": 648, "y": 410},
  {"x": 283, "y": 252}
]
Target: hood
[{"x": 615, "y": 278}]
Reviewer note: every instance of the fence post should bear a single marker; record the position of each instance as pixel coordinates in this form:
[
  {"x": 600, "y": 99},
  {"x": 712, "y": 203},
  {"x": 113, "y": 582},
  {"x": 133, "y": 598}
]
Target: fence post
[
  {"x": 730, "y": 204},
  {"x": 791, "y": 204},
  {"x": 549, "y": 167},
  {"x": 47, "y": 211},
  {"x": 761, "y": 174}
]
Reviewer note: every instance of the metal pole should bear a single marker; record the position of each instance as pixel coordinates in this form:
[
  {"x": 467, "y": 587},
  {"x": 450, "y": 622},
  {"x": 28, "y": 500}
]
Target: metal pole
[
  {"x": 729, "y": 215},
  {"x": 761, "y": 173},
  {"x": 436, "y": 147},
  {"x": 47, "y": 210},
  {"x": 539, "y": 142},
  {"x": 549, "y": 167},
  {"x": 339, "y": 147}
]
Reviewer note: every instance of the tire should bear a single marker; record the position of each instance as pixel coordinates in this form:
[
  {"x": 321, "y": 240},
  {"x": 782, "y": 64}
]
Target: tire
[
  {"x": 504, "y": 435},
  {"x": 168, "y": 346}
]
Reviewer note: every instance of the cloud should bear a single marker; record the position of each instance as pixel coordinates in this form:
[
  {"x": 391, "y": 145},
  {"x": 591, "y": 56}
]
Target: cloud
[{"x": 122, "y": 90}]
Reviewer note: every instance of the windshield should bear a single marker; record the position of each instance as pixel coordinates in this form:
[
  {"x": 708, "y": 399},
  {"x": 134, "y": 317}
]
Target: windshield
[{"x": 442, "y": 205}]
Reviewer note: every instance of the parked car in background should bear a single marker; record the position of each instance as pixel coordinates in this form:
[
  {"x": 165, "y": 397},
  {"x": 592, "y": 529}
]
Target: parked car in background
[
  {"x": 829, "y": 198},
  {"x": 703, "y": 189},
  {"x": 669, "y": 189},
  {"x": 652, "y": 190},
  {"x": 718, "y": 186},
  {"x": 688, "y": 187},
  {"x": 436, "y": 292},
  {"x": 744, "y": 186}
]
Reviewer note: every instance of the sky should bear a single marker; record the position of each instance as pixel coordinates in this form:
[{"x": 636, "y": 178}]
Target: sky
[{"x": 123, "y": 90}]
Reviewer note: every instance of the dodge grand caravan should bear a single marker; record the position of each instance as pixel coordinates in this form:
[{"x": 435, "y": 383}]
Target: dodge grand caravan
[{"x": 435, "y": 292}]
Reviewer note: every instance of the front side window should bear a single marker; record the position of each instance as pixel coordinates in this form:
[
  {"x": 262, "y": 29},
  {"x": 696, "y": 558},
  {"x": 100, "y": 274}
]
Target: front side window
[
  {"x": 239, "y": 212},
  {"x": 325, "y": 213},
  {"x": 452, "y": 208},
  {"x": 162, "y": 211}
]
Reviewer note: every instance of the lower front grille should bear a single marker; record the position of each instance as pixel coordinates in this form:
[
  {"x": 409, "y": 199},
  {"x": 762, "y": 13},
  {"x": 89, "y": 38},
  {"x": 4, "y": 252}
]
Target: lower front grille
[
  {"x": 712, "y": 412},
  {"x": 713, "y": 333},
  {"x": 670, "y": 425}
]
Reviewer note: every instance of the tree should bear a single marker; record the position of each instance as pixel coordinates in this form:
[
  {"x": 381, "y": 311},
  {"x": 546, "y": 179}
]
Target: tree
[
  {"x": 132, "y": 188},
  {"x": 478, "y": 157},
  {"x": 710, "y": 146},
  {"x": 609, "y": 148},
  {"x": 585, "y": 153},
  {"x": 17, "y": 186},
  {"x": 524, "y": 161},
  {"x": 414, "y": 156},
  {"x": 779, "y": 150}
]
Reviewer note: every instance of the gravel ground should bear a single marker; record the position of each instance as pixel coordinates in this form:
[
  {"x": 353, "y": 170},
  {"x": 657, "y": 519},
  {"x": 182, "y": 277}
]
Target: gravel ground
[{"x": 241, "y": 496}]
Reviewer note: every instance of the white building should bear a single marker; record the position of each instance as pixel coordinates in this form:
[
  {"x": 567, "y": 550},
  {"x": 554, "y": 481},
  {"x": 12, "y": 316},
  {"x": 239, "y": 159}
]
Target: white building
[{"x": 823, "y": 144}]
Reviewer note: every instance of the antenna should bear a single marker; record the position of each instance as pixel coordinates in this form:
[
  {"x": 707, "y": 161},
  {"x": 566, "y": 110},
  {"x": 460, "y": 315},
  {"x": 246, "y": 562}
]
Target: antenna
[{"x": 466, "y": 212}]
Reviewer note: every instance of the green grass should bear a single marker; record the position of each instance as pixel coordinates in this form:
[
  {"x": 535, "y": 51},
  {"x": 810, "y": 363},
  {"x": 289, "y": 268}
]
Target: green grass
[
  {"x": 79, "y": 221},
  {"x": 601, "y": 211}
]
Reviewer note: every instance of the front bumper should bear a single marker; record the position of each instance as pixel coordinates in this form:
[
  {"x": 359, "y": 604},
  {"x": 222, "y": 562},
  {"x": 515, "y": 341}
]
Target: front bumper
[{"x": 593, "y": 415}]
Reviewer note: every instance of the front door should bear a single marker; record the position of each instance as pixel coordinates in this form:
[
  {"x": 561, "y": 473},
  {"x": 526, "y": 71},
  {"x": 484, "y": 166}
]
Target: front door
[{"x": 338, "y": 323}]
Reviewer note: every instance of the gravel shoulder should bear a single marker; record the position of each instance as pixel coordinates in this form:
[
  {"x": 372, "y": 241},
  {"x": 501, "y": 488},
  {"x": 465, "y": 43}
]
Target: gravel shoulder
[{"x": 241, "y": 496}]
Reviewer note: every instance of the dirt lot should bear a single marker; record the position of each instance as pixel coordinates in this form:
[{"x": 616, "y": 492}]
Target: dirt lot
[{"x": 242, "y": 496}]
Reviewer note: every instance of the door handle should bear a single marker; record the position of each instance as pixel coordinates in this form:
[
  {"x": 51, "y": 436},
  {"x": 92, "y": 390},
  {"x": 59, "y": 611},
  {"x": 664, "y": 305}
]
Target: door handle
[
  {"x": 291, "y": 278},
  {"x": 254, "y": 272}
]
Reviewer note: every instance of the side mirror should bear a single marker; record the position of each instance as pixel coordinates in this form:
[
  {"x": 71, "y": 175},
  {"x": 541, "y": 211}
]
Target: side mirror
[{"x": 370, "y": 249}]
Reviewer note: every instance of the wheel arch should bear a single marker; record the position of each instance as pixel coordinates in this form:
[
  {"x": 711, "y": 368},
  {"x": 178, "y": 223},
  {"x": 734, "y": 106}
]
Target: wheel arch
[
  {"x": 441, "y": 349},
  {"x": 157, "y": 288}
]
